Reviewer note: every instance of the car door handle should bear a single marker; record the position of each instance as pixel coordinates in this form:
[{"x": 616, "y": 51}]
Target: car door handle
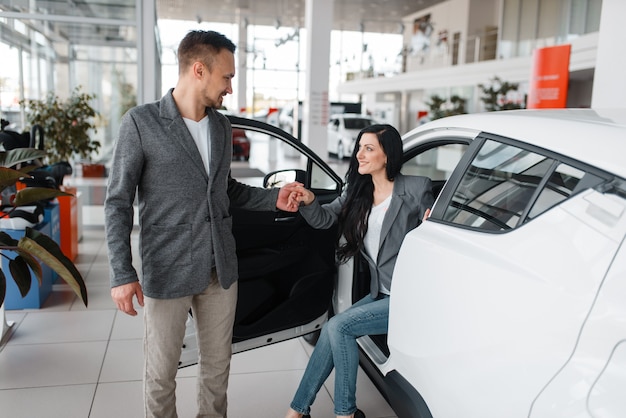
[{"x": 289, "y": 218}]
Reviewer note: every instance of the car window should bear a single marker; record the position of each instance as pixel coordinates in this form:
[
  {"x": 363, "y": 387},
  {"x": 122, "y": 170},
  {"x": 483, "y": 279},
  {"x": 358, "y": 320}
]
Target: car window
[
  {"x": 320, "y": 180},
  {"x": 437, "y": 163},
  {"x": 506, "y": 186},
  {"x": 268, "y": 152},
  {"x": 357, "y": 123},
  {"x": 560, "y": 185}
]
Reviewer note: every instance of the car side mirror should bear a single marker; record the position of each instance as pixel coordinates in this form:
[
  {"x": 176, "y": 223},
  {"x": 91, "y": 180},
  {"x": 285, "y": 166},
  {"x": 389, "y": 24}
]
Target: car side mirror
[{"x": 282, "y": 177}]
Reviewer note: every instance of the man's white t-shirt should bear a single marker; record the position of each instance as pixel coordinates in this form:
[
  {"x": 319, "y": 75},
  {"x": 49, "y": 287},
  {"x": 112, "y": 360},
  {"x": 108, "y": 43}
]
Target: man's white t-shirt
[{"x": 200, "y": 133}]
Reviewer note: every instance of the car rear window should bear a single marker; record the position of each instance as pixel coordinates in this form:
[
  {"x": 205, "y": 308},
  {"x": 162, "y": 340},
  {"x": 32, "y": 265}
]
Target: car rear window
[
  {"x": 506, "y": 186},
  {"x": 357, "y": 123}
]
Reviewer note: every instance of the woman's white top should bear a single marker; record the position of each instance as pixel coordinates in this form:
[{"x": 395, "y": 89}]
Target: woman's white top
[{"x": 374, "y": 228}]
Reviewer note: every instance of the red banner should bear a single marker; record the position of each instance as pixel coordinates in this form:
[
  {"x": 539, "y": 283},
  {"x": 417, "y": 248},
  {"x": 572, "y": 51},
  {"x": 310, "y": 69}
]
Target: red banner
[{"x": 549, "y": 78}]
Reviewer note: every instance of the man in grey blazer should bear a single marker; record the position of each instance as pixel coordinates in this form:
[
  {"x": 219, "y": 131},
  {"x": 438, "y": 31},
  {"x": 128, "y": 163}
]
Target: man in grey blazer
[{"x": 174, "y": 155}]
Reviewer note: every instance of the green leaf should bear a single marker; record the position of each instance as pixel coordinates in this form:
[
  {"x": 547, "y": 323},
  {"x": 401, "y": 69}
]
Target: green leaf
[
  {"x": 34, "y": 194},
  {"x": 21, "y": 274},
  {"x": 9, "y": 177},
  {"x": 20, "y": 155},
  {"x": 32, "y": 263},
  {"x": 49, "y": 252},
  {"x": 3, "y": 290}
]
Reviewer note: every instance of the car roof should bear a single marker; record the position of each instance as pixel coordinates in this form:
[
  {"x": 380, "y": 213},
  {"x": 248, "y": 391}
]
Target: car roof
[{"x": 593, "y": 136}]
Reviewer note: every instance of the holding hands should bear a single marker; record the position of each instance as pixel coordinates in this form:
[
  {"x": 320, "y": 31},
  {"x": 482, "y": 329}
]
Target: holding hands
[
  {"x": 293, "y": 195},
  {"x": 285, "y": 201},
  {"x": 300, "y": 195}
]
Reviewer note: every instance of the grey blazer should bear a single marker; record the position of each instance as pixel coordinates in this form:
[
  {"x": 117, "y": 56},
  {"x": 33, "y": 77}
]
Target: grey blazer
[
  {"x": 410, "y": 198},
  {"x": 184, "y": 212}
]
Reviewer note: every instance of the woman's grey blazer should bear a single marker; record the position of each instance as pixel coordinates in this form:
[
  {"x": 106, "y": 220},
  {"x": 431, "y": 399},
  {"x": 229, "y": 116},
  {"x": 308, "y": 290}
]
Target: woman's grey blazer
[
  {"x": 410, "y": 198},
  {"x": 184, "y": 212}
]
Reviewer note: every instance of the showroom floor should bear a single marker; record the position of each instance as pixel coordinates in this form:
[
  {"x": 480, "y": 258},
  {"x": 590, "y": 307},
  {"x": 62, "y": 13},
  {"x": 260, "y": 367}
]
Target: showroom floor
[{"x": 68, "y": 361}]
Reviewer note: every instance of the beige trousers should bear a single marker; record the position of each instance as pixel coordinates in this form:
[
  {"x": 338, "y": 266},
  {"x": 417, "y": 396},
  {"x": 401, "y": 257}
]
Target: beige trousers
[{"x": 164, "y": 322}]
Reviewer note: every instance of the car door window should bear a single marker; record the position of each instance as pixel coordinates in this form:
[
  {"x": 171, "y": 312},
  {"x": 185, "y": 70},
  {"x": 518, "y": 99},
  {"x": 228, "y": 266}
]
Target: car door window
[{"x": 437, "y": 163}]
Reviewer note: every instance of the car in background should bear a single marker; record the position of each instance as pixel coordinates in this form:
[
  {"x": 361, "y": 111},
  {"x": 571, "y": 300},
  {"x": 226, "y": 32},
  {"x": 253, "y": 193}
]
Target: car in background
[
  {"x": 241, "y": 145},
  {"x": 240, "y": 140},
  {"x": 342, "y": 132},
  {"x": 507, "y": 302},
  {"x": 286, "y": 117}
]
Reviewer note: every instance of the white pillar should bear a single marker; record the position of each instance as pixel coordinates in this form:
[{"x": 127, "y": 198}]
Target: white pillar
[
  {"x": 148, "y": 62},
  {"x": 611, "y": 59},
  {"x": 242, "y": 60},
  {"x": 316, "y": 106}
]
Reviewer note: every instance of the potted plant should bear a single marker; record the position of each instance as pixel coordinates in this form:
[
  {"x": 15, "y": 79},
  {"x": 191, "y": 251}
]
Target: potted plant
[
  {"x": 441, "y": 108},
  {"x": 66, "y": 125},
  {"x": 34, "y": 247},
  {"x": 496, "y": 95}
]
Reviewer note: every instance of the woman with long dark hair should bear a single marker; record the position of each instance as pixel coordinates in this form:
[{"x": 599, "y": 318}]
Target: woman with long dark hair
[{"x": 377, "y": 208}]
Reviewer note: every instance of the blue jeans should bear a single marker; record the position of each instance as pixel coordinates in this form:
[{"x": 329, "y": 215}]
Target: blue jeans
[{"x": 337, "y": 347}]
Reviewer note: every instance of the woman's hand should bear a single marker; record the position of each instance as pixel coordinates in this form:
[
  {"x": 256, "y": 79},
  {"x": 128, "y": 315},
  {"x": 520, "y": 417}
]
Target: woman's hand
[{"x": 300, "y": 195}]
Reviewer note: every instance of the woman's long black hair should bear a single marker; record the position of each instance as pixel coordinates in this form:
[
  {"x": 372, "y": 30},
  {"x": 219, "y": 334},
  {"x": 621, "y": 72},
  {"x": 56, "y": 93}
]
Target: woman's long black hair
[{"x": 360, "y": 190}]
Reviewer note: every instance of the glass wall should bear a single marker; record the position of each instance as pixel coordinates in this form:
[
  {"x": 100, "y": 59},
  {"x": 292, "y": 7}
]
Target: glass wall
[
  {"x": 528, "y": 24},
  {"x": 47, "y": 48}
]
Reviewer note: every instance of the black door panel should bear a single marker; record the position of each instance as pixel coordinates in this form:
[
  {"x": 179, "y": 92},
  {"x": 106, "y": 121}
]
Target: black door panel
[{"x": 286, "y": 271}]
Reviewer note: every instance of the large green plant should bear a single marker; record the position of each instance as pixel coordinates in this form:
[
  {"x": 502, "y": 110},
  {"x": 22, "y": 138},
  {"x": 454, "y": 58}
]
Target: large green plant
[
  {"x": 440, "y": 107},
  {"x": 34, "y": 247},
  {"x": 496, "y": 95},
  {"x": 66, "y": 124}
]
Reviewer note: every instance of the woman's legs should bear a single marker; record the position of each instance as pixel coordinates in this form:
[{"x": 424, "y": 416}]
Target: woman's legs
[
  {"x": 366, "y": 317},
  {"x": 337, "y": 347},
  {"x": 317, "y": 370}
]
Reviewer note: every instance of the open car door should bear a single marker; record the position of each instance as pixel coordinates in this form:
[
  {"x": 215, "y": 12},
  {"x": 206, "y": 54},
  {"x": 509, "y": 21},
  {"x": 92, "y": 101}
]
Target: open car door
[{"x": 286, "y": 268}]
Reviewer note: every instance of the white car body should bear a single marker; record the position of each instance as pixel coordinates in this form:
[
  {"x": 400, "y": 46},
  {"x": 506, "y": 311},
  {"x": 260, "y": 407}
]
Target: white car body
[
  {"x": 530, "y": 322},
  {"x": 342, "y": 132}
]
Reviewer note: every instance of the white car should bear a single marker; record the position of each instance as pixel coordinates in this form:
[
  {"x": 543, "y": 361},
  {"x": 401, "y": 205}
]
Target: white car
[
  {"x": 342, "y": 132},
  {"x": 507, "y": 302}
]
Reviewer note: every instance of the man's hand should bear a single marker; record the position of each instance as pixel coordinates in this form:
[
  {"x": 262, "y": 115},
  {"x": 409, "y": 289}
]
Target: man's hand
[
  {"x": 286, "y": 200},
  {"x": 302, "y": 196},
  {"x": 123, "y": 297}
]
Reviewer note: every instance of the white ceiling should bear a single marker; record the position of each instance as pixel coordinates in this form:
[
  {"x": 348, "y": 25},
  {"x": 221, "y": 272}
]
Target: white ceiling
[{"x": 383, "y": 16}]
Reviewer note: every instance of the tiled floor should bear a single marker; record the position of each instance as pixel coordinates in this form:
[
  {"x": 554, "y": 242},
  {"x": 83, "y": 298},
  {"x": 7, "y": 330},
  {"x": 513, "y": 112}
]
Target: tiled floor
[{"x": 68, "y": 361}]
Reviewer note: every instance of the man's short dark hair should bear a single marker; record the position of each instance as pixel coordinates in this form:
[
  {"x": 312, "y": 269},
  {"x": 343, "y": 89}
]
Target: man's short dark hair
[{"x": 202, "y": 45}]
